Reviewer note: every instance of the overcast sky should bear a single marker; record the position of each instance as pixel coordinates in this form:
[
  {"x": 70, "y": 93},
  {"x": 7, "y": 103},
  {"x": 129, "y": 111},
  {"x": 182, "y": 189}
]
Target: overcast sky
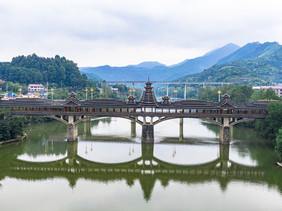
[{"x": 122, "y": 32}]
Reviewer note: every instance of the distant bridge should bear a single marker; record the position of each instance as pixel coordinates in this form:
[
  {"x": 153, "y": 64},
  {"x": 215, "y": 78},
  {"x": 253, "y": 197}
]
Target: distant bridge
[{"x": 167, "y": 83}]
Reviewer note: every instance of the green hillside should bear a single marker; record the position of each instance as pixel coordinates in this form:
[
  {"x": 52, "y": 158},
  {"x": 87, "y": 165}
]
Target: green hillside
[
  {"x": 251, "y": 51},
  {"x": 265, "y": 69},
  {"x": 33, "y": 69}
]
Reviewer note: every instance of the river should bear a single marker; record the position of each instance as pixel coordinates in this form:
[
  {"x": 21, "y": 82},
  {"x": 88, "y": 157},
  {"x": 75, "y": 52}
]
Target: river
[{"x": 109, "y": 169}]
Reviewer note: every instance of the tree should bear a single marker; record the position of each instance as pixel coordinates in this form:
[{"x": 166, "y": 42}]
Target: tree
[
  {"x": 278, "y": 145},
  {"x": 241, "y": 94},
  {"x": 16, "y": 127},
  {"x": 269, "y": 127},
  {"x": 5, "y": 130},
  {"x": 34, "y": 69},
  {"x": 12, "y": 87},
  {"x": 267, "y": 94}
]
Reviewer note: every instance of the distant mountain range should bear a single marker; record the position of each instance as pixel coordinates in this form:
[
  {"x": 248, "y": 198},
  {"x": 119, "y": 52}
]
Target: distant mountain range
[
  {"x": 250, "y": 51},
  {"x": 253, "y": 64},
  {"x": 157, "y": 71}
]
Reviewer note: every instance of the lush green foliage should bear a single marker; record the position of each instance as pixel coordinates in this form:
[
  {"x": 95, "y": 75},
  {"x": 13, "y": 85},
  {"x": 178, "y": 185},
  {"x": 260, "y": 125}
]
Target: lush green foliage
[
  {"x": 252, "y": 50},
  {"x": 256, "y": 71},
  {"x": 237, "y": 93},
  {"x": 9, "y": 128},
  {"x": 268, "y": 94},
  {"x": 269, "y": 127},
  {"x": 33, "y": 69},
  {"x": 11, "y": 87},
  {"x": 278, "y": 145},
  {"x": 241, "y": 93},
  {"x": 61, "y": 74}
]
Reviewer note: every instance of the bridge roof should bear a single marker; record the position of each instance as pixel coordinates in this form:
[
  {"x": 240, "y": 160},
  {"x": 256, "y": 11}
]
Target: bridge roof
[{"x": 110, "y": 103}]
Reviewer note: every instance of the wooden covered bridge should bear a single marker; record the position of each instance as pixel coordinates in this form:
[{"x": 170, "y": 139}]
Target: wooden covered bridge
[{"x": 146, "y": 112}]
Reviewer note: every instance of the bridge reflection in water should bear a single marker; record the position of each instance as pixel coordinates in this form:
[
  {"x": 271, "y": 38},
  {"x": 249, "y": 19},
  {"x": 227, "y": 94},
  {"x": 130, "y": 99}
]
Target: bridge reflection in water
[{"x": 147, "y": 169}]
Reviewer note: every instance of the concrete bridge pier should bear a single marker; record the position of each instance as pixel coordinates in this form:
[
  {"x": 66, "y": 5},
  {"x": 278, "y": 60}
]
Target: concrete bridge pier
[
  {"x": 87, "y": 127},
  {"x": 224, "y": 136},
  {"x": 231, "y": 132},
  {"x": 185, "y": 87},
  {"x": 180, "y": 129},
  {"x": 147, "y": 133},
  {"x": 72, "y": 133},
  {"x": 133, "y": 128},
  {"x": 225, "y": 129}
]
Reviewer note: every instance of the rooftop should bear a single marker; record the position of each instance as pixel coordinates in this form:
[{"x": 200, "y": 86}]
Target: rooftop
[{"x": 36, "y": 85}]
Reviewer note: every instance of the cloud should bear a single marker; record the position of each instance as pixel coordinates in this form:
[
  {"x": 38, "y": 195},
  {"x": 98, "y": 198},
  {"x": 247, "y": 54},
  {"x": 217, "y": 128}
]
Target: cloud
[{"x": 121, "y": 32}]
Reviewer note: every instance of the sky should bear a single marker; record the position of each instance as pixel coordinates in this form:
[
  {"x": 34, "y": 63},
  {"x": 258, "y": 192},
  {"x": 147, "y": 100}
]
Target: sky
[{"x": 123, "y": 32}]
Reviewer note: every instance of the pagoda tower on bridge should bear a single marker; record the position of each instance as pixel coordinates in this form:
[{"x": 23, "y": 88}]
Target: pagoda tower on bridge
[{"x": 148, "y": 97}]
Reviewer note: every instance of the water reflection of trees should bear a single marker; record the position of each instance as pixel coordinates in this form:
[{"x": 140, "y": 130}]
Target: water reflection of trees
[
  {"x": 40, "y": 143},
  {"x": 147, "y": 169},
  {"x": 49, "y": 138}
]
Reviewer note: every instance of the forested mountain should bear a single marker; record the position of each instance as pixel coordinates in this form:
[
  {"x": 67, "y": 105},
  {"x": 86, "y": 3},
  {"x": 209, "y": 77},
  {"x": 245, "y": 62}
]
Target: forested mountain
[
  {"x": 265, "y": 69},
  {"x": 252, "y": 50},
  {"x": 157, "y": 71},
  {"x": 33, "y": 69}
]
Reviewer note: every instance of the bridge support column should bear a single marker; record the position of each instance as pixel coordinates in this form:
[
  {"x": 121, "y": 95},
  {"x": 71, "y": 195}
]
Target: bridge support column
[
  {"x": 185, "y": 92},
  {"x": 71, "y": 129},
  {"x": 181, "y": 129},
  {"x": 87, "y": 127},
  {"x": 224, "y": 135},
  {"x": 225, "y": 131},
  {"x": 147, "y": 133},
  {"x": 133, "y": 128}
]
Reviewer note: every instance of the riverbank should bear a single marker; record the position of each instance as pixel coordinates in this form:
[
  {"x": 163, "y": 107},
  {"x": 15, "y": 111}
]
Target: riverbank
[{"x": 18, "y": 139}]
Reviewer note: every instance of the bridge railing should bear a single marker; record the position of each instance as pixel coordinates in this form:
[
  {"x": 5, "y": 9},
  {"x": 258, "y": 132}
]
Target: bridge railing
[{"x": 150, "y": 111}]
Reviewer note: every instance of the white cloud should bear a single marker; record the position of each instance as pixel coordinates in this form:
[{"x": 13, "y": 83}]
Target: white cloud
[{"x": 121, "y": 32}]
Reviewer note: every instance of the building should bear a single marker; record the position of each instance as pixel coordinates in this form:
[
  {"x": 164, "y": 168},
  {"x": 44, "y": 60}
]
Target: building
[
  {"x": 2, "y": 81},
  {"x": 277, "y": 89},
  {"x": 36, "y": 90},
  {"x": 114, "y": 89}
]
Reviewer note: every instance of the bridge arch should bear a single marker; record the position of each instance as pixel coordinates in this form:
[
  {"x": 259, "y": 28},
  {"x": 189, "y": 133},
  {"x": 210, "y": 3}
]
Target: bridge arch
[
  {"x": 60, "y": 119},
  {"x": 240, "y": 120}
]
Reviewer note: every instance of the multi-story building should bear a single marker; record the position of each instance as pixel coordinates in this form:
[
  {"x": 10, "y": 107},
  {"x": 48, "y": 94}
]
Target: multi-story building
[
  {"x": 277, "y": 89},
  {"x": 35, "y": 89}
]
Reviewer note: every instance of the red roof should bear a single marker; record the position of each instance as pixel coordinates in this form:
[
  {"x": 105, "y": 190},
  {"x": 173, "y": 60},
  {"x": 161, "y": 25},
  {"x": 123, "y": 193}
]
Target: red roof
[{"x": 35, "y": 85}]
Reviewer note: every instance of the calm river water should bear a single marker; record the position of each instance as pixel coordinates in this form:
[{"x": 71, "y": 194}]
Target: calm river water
[{"x": 109, "y": 169}]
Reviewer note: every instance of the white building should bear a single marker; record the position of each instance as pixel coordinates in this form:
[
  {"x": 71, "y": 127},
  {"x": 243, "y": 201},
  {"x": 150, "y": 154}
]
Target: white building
[
  {"x": 35, "y": 89},
  {"x": 277, "y": 89}
]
